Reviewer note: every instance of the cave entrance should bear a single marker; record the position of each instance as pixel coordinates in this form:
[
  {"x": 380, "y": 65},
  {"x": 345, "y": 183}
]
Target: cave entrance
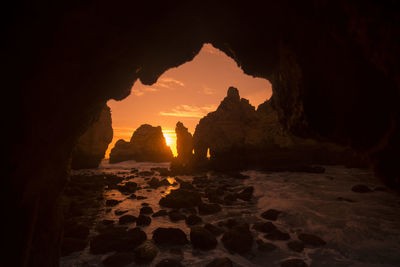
[{"x": 186, "y": 93}]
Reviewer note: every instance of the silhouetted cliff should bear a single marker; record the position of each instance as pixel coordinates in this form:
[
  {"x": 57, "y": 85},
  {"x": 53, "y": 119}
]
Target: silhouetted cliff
[{"x": 93, "y": 144}]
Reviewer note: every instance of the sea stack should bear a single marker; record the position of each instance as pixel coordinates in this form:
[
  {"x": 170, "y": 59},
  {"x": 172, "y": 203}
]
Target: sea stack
[
  {"x": 184, "y": 143},
  {"x": 147, "y": 144}
]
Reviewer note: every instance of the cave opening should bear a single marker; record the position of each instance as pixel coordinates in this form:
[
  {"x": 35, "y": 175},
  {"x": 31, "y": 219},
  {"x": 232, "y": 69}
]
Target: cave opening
[{"x": 186, "y": 94}]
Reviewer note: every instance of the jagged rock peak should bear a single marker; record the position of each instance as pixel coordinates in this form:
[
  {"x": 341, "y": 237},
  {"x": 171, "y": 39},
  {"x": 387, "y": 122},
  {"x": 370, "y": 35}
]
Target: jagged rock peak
[{"x": 233, "y": 94}]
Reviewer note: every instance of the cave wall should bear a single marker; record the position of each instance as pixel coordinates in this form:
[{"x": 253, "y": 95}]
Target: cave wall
[{"x": 334, "y": 67}]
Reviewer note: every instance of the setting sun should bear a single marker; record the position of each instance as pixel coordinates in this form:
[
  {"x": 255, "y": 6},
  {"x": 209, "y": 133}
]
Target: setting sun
[{"x": 170, "y": 137}]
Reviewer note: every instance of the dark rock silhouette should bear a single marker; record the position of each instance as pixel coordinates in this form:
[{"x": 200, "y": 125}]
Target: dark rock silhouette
[
  {"x": 147, "y": 144},
  {"x": 184, "y": 143},
  {"x": 93, "y": 144},
  {"x": 238, "y": 137}
]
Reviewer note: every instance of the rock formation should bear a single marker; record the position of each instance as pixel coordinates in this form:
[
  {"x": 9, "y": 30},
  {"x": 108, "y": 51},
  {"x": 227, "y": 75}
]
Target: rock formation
[
  {"x": 147, "y": 144},
  {"x": 93, "y": 144},
  {"x": 184, "y": 143},
  {"x": 238, "y": 136}
]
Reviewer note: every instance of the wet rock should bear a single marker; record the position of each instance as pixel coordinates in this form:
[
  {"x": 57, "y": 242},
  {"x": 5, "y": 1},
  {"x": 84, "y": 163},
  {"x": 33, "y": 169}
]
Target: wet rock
[
  {"x": 181, "y": 198},
  {"x": 169, "y": 263},
  {"x": 220, "y": 262},
  {"x": 206, "y": 209},
  {"x": 119, "y": 259},
  {"x": 133, "y": 196},
  {"x": 265, "y": 227},
  {"x": 146, "y": 173},
  {"x": 143, "y": 220},
  {"x": 112, "y": 202},
  {"x": 162, "y": 171},
  {"x": 160, "y": 213},
  {"x": 360, "y": 188},
  {"x": 117, "y": 239},
  {"x": 154, "y": 183},
  {"x": 128, "y": 187},
  {"x": 277, "y": 235},
  {"x": 193, "y": 219},
  {"x": 120, "y": 212},
  {"x": 311, "y": 240},
  {"x": 214, "y": 229},
  {"x": 127, "y": 219},
  {"x": 202, "y": 238},
  {"x": 146, "y": 210},
  {"x": 296, "y": 245},
  {"x": 265, "y": 246},
  {"x": 169, "y": 236},
  {"x": 175, "y": 216},
  {"x": 141, "y": 197},
  {"x": 246, "y": 194},
  {"x": 238, "y": 239},
  {"x": 271, "y": 214},
  {"x": 146, "y": 252},
  {"x": 165, "y": 182},
  {"x": 71, "y": 244},
  {"x": 293, "y": 263}
]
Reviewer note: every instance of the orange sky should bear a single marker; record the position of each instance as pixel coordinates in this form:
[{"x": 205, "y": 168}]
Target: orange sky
[{"x": 186, "y": 93}]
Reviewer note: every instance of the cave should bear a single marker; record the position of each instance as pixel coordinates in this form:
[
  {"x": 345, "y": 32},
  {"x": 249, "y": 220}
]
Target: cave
[{"x": 334, "y": 68}]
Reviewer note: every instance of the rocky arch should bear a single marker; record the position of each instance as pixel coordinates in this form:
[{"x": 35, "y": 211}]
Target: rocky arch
[{"x": 334, "y": 67}]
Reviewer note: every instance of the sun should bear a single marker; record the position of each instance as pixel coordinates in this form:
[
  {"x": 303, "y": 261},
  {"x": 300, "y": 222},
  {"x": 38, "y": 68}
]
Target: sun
[{"x": 170, "y": 138}]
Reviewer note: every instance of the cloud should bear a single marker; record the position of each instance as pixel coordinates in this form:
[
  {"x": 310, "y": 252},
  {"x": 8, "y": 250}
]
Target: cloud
[
  {"x": 142, "y": 90},
  {"x": 163, "y": 83},
  {"x": 208, "y": 90},
  {"x": 188, "y": 111}
]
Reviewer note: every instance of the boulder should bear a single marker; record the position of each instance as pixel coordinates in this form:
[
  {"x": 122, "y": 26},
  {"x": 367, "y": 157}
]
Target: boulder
[
  {"x": 277, "y": 235},
  {"x": 146, "y": 210},
  {"x": 92, "y": 145},
  {"x": 202, "y": 238},
  {"x": 265, "y": 227},
  {"x": 169, "y": 236},
  {"x": 181, "y": 198},
  {"x": 175, "y": 216},
  {"x": 311, "y": 240},
  {"x": 271, "y": 214},
  {"x": 143, "y": 220},
  {"x": 125, "y": 219},
  {"x": 238, "y": 239},
  {"x": 147, "y": 144},
  {"x": 146, "y": 252},
  {"x": 117, "y": 239},
  {"x": 160, "y": 213},
  {"x": 214, "y": 229},
  {"x": 246, "y": 194},
  {"x": 193, "y": 220},
  {"x": 296, "y": 245}
]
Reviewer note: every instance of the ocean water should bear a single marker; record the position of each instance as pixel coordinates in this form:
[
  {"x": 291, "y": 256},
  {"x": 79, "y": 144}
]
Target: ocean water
[{"x": 364, "y": 232}]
